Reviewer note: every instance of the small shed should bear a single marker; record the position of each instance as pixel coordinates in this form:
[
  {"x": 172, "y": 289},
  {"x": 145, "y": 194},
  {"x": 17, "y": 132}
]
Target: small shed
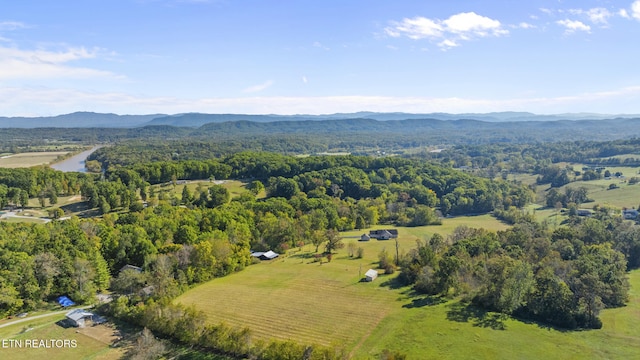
[
  {"x": 79, "y": 317},
  {"x": 370, "y": 275},
  {"x": 365, "y": 237}
]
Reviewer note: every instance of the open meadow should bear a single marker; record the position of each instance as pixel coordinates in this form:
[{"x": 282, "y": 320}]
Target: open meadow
[
  {"x": 29, "y": 159},
  {"x": 624, "y": 196},
  {"x": 92, "y": 342},
  {"x": 295, "y": 298}
]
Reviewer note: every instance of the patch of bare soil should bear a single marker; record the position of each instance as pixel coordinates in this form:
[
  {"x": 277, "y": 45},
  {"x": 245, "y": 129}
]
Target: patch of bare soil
[{"x": 104, "y": 333}]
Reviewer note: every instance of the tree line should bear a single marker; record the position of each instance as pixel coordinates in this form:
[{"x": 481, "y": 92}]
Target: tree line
[{"x": 562, "y": 277}]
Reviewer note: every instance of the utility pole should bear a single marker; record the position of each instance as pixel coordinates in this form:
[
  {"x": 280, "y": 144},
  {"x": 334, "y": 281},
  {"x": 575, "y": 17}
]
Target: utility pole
[{"x": 397, "y": 254}]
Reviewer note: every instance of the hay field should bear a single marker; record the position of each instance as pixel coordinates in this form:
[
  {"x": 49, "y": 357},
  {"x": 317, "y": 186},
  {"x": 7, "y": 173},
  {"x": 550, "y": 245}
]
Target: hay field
[
  {"x": 29, "y": 159},
  {"x": 295, "y": 298}
]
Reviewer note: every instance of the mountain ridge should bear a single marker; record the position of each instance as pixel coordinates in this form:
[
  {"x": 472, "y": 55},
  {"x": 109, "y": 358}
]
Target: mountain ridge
[{"x": 85, "y": 119}]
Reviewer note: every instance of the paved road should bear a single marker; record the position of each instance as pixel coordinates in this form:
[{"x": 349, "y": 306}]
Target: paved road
[{"x": 29, "y": 318}]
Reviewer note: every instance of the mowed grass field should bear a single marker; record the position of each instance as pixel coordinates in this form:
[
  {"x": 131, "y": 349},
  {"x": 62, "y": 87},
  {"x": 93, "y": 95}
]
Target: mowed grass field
[
  {"x": 295, "y": 298},
  {"x": 89, "y": 346},
  {"x": 452, "y": 330},
  {"x": 624, "y": 196},
  {"x": 29, "y": 159}
]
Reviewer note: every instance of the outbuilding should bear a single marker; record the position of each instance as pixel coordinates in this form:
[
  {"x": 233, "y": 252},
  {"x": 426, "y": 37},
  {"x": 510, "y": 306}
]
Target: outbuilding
[
  {"x": 370, "y": 275},
  {"x": 79, "y": 317},
  {"x": 269, "y": 255}
]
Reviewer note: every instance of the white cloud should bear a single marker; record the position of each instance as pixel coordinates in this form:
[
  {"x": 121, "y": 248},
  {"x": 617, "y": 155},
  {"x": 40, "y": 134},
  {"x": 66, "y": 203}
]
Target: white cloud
[
  {"x": 635, "y": 9},
  {"x": 416, "y": 28},
  {"x": 448, "y": 32},
  {"x": 36, "y": 64},
  {"x": 259, "y": 87},
  {"x": 598, "y": 16},
  {"x": 319, "y": 45},
  {"x": 447, "y": 44},
  {"x": 39, "y": 101},
  {"x": 474, "y": 24},
  {"x": 572, "y": 26},
  {"x": 304, "y": 79},
  {"x": 11, "y": 25},
  {"x": 623, "y": 13},
  {"x": 525, "y": 25}
]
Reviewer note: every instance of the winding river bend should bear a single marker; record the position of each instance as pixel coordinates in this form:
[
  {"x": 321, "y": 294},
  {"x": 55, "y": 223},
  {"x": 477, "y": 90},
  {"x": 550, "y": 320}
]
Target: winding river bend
[{"x": 76, "y": 162}]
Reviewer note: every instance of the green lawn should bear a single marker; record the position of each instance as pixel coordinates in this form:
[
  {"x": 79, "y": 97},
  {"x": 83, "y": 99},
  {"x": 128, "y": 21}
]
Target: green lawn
[
  {"x": 46, "y": 329},
  {"x": 452, "y": 330}
]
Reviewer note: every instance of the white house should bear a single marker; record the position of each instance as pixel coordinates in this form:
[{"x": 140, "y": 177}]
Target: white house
[{"x": 370, "y": 275}]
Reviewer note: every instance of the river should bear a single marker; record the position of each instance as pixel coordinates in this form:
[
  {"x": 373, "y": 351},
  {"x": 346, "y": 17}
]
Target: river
[{"x": 76, "y": 162}]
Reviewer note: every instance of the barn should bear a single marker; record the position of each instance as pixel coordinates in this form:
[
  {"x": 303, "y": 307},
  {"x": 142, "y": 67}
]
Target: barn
[{"x": 370, "y": 275}]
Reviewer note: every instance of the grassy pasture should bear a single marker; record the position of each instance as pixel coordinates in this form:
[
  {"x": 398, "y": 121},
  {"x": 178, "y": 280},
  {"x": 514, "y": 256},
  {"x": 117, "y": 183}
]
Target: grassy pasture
[
  {"x": 298, "y": 299},
  {"x": 29, "y": 159},
  {"x": 88, "y": 345},
  {"x": 451, "y": 330},
  {"x": 624, "y": 196},
  {"x": 307, "y": 302}
]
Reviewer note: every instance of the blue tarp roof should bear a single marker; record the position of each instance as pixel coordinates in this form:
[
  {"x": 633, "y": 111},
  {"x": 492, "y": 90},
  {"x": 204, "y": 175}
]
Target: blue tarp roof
[{"x": 65, "y": 301}]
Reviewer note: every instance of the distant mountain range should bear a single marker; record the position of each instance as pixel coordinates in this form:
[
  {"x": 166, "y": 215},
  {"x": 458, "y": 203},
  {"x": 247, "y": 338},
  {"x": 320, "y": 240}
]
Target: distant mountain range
[{"x": 194, "y": 120}]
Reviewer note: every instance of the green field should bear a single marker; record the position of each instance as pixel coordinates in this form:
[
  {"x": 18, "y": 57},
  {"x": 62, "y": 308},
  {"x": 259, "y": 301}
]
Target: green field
[
  {"x": 89, "y": 346},
  {"x": 453, "y": 331},
  {"x": 29, "y": 159},
  {"x": 295, "y": 298},
  {"x": 624, "y": 196}
]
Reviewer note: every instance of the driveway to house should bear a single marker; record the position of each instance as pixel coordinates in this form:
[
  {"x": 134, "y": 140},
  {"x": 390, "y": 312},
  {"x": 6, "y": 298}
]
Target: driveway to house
[{"x": 29, "y": 318}]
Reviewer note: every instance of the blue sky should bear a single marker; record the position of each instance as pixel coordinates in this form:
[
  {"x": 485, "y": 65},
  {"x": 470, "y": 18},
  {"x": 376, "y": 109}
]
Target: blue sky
[{"x": 318, "y": 57}]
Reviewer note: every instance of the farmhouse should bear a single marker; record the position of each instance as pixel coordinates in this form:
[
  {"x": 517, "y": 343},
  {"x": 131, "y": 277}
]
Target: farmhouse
[
  {"x": 269, "y": 255},
  {"x": 370, "y": 275},
  {"x": 79, "y": 317},
  {"x": 365, "y": 237},
  {"x": 383, "y": 234}
]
